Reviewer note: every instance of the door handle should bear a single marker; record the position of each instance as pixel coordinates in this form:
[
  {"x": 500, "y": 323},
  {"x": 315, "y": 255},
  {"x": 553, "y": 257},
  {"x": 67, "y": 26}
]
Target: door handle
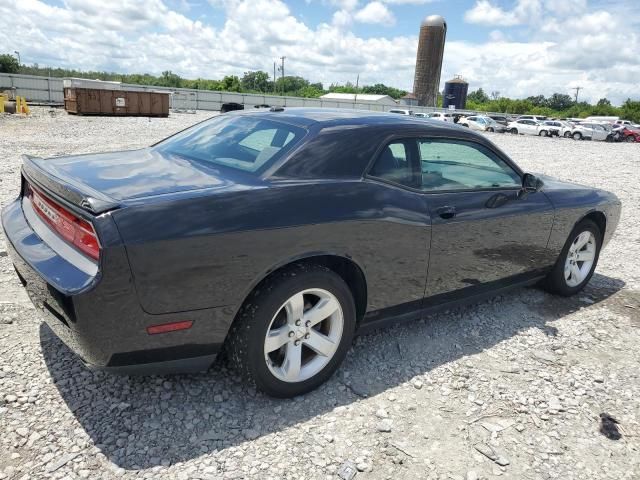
[{"x": 446, "y": 212}]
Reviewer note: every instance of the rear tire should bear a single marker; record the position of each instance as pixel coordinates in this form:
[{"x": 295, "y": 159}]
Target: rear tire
[
  {"x": 567, "y": 134},
  {"x": 629, "y": 139},
  {"x": 490, "y": 129},
  {"x": 577, "y": 136},
  {"x": 543, "y": 133},
  {"x": 575, "y": 266},
  {"x": 514, "y": 131},
  {"x": 285, "y": 303}
]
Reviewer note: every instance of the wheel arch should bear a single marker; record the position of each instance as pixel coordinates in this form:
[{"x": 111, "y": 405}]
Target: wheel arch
[
  {"x": 347, "y": 268},
  {"x": 599, "y": 218}
]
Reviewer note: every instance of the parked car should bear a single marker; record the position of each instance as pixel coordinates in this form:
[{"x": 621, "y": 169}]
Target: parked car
[
  {"x": 444, "y": 117},
  {"x": 630, "y": 134},
  {"x": 524, "y": 126},
  {"x": 401, "y": 111},
  {"x": 501, "y": 119},
  {"x": 482, "y": 123},
  {"x": 589, "y": 131},
  {"x": 555, "y": 127},
  {"x": 537, "y": 118},
  {"x": 421, "y": 115},
  {"x": 277, "y": 235}
]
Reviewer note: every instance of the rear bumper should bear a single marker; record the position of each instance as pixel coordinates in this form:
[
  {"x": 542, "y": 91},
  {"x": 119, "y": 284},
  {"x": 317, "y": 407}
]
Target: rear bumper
[{"x": 99, "y": 316}]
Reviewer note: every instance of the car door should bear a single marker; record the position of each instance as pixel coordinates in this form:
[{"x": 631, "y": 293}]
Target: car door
[
  {"x": 599, "y": 132},
  {"x": 484, "y": 228},
  {"x": 480, "y": 123},
  {"x": 524, "y": 127}
]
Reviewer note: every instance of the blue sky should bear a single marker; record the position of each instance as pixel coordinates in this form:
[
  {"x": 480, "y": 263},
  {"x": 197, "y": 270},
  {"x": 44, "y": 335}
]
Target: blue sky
[{"x": 516, "y": 47}]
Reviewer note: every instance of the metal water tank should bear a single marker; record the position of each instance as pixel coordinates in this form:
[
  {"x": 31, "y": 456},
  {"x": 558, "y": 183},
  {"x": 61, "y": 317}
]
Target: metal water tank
[
  {"x": 455, "y": 93},
  {"x": 426, "y": 83}
]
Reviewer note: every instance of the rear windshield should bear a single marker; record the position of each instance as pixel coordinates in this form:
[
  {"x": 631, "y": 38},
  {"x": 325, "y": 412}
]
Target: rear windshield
[{"x": 246, "y": 143}]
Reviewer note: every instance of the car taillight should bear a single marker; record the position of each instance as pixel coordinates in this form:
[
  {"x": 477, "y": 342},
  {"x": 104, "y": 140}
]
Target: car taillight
[{"x": 74, "y": 230}]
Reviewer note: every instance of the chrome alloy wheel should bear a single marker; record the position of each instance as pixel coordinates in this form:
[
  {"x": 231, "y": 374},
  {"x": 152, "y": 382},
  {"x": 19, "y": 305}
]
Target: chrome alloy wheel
[
  {"x": 580, "y": 258},
  {"x": 303, "y": 335}
]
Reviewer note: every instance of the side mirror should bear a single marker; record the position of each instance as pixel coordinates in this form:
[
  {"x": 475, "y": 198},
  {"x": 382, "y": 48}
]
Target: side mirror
[{"x": 531, "y": 183}]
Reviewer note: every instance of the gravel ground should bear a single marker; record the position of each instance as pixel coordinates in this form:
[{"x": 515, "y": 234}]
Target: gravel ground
[{"x": 511, "y": 388}]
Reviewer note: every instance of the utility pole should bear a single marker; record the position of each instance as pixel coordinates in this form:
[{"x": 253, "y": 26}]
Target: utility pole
[
  {"x": 577, "y": 89},
  {"x": 282, "y": 69},
  {"x": 355, "y": 97},
  {"x": 18, "y": 55},
  {"x": 274, "y": 78}
]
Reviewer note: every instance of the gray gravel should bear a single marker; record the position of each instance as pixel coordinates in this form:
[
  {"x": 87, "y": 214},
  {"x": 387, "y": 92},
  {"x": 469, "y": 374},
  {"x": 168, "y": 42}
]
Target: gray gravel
[{"x": 511, "y": 388}]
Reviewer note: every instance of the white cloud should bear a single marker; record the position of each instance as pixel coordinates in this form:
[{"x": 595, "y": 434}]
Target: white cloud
[
  {"x": 347, "y": 5},
  {"x": 408, "y": 2},
  {"x": 593, "y": 48},
  {"x": 375, "y": 12},
  {"x": 485, "y": 12},
  {"x": 342, "y": 18}
]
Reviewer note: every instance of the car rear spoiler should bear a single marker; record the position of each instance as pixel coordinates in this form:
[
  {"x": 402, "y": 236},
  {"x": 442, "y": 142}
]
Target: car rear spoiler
[{"x": 35, "y": 170}]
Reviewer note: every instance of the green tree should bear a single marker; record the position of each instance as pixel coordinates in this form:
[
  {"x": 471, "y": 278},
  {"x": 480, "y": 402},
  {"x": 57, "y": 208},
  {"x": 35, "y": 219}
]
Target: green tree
[
  {"x": 382, "y": 89},
  {"x": 537, "y": 100},
  {"x": 346, "y": 88},
  {"x": 230, "y": 83},
  {"x": 256, "y": 81},
  {"x": 170, "y": 79},
  {"x": 310, "y": 92},
  {"x": 478, "y": 96},
  {"x": 9, "y": 64},
  {"x": 559, "y": 101},
  {"x": 291, "y": 84},
  {"x": 630, "y": 110}
]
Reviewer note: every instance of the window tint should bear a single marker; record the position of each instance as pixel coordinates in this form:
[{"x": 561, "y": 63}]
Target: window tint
[
  {"x": 459, "y": 165},
  {"x": 240, "y": 142},
  {"x": 261, "y": 139},
  {"x": 393, "y": 164}
]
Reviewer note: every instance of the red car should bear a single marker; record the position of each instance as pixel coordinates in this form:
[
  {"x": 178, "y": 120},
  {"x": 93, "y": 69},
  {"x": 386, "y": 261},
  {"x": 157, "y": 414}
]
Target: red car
[{"x": 630, "y": 135}]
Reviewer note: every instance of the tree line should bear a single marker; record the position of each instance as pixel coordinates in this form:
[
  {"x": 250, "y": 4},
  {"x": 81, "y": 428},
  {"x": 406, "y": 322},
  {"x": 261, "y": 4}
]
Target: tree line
[{"x": 556, "y": 105}]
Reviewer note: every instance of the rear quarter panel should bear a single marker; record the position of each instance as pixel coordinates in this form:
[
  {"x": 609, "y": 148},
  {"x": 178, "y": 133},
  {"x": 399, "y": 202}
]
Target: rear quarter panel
[
  {"x": 211, "y": 251},
  {"x": 573, "y": 203}
]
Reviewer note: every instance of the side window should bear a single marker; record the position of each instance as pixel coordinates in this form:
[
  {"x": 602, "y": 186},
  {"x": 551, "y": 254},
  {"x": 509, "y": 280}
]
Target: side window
[
  {"x": 460, "y": 165},
  {"x": 393, "y": 164}
]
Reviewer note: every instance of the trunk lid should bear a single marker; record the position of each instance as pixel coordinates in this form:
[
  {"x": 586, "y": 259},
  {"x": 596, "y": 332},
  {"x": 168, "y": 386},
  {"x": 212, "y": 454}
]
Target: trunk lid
[{"x": 103, "y": 181}]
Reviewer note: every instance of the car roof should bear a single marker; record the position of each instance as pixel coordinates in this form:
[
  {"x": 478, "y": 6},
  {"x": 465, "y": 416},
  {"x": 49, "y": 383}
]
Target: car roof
[{"x": 306, "y": 117}]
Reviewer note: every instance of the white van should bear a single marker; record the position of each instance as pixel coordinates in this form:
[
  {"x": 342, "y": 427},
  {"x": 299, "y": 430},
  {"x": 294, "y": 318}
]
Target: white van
[{"x": 598, "y": 118}]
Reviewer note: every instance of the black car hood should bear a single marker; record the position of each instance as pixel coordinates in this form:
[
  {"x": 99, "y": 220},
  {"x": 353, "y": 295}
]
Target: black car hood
[
  {"x": 552, "y": 183},
  {"x": 132, "y": 174}
]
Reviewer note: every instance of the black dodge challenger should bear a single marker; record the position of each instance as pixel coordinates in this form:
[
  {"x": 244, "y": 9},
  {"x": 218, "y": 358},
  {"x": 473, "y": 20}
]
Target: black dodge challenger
[{"x": 277, "y": 235}]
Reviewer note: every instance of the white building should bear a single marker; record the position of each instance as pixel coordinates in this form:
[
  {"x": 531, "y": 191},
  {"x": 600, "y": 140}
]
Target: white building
[{"x": 360, "y": 97}]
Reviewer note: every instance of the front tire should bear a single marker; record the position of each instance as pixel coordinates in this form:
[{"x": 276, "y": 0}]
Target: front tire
[
  {"x": 514, "y": 131},
  {"x": 577, "y": 136},
  {"x": 293, "y": 331},
  {"x": 577, "y": 260},
  {"x": 629, "y": 139},
  {"x": 543, "y": 133},
  {"x": 567, "y": 134}
]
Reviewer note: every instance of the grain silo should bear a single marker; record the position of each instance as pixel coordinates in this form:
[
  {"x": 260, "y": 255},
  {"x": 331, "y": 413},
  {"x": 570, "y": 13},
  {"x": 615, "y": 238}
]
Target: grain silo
[
  {"x": 455, "y": 93},
  {"x": 426, "y": 83}
]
